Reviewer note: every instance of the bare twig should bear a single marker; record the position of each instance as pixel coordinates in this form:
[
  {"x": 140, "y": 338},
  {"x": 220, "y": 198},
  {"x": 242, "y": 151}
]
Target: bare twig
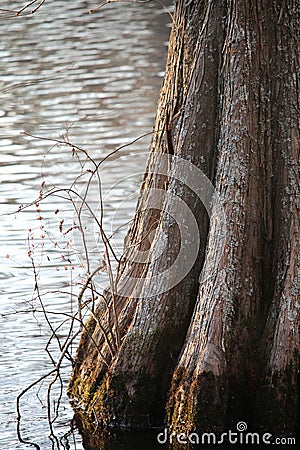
[
  {"x": 110, "y": 328},
  {"x": 20, "y": 11},
  {"x": 55, "y": 370},
  {"x": 107, "y": 2}
]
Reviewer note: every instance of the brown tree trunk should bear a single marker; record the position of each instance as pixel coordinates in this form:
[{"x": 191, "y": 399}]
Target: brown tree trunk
[
  {"x": 278, "y": 395},
  {"x": 209, "y": 348}
]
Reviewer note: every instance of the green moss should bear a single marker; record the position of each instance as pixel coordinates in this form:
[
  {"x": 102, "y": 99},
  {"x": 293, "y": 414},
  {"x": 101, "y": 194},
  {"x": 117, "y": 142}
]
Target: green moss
[
  {"x": 198, "y": 405},
  {"x": 81, "y": 392},
  {"x": 128, "y": 401}
]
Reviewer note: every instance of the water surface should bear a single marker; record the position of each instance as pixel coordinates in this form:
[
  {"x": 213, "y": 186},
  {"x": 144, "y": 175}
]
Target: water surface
[{"x": 91, "y": 80}]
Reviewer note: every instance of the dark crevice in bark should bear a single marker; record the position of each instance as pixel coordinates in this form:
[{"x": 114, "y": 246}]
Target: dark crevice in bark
[
  {"x": 162, "y": 347},
  {"x": 278, "y": 394}
]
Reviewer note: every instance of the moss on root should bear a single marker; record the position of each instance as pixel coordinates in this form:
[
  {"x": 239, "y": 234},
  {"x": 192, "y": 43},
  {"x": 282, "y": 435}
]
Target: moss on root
[
  {"x": 128, "y": 401},
  {"x": 118, "y": 401},
  {"x": 198, "y": 405}
]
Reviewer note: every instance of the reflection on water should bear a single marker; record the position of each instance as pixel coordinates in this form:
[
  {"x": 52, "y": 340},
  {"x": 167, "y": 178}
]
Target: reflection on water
[
  {"x": 122, "y": 440},
  {"x": 92, "y": 80}
]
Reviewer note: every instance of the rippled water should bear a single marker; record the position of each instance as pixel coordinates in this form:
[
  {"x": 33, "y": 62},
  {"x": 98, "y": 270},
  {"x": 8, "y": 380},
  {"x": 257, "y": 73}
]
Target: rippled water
[{"x": 92, "y": 80}]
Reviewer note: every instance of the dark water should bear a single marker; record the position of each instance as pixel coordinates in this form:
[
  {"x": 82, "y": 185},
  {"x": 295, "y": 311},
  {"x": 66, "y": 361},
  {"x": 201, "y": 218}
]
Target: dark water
[{"x": 92, "y": 80}]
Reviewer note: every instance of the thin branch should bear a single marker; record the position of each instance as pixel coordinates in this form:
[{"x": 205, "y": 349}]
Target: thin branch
[
  {"x": 28, "y": 5},
  {"x": 111, "y": 333},
  {"x": 55, "y": 75},
  {"x": 80, "y": 295},
  {"x": 92, "y": 11},
  {"x": 41, "y": 378}
]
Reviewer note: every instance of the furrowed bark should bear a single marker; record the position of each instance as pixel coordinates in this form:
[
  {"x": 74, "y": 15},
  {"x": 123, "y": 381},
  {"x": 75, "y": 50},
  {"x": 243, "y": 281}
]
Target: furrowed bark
[
  {"x": 277, "y": 401},
  {"x": 223, "y": 347},
  {"x": 133, "y": 391},
  {"x": 219, "y": 369}
]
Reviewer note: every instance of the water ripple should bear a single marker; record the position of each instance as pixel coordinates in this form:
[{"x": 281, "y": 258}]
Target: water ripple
[{"x": 96, "y": 77}]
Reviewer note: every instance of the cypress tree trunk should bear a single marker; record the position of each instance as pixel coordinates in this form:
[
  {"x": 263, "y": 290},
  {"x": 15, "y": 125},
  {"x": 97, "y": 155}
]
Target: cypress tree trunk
[
  {"x": 243, "y": 336},
  {"x": 209, "y": 348}
]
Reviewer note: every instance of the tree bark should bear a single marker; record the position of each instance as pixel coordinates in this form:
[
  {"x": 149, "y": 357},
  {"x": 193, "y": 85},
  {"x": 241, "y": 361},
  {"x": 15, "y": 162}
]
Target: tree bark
[{"x": 209, "y": 348}]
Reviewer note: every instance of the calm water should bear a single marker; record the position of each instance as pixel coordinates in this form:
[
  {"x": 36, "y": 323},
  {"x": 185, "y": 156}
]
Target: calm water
[{"x": 91, "y": 80}]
